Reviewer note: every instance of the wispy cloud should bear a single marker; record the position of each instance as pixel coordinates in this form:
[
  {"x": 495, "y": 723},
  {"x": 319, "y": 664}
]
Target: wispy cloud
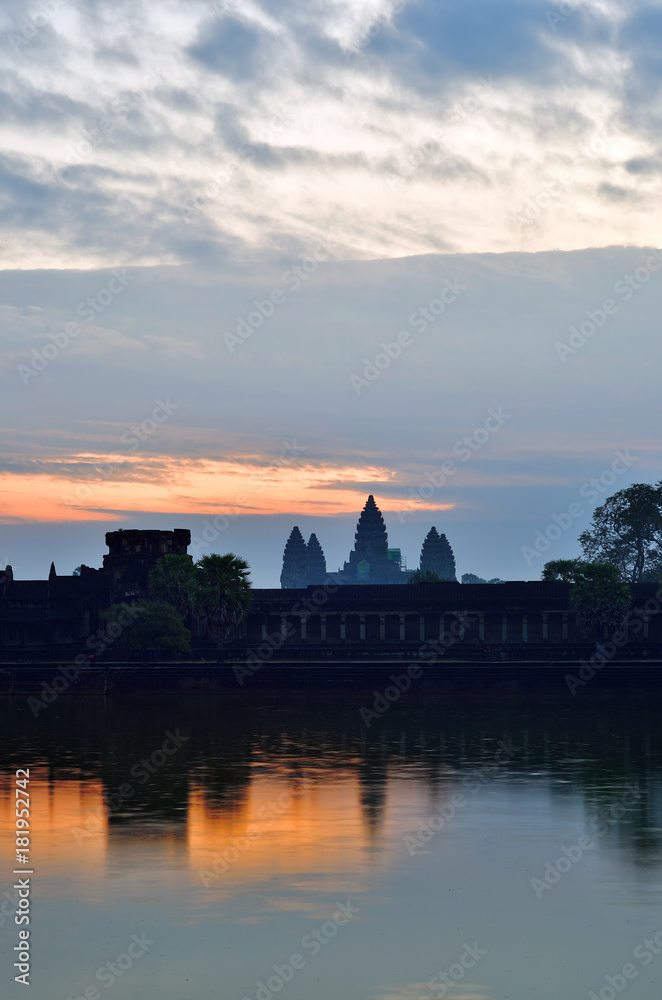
[{"x": 116, "y": 116}]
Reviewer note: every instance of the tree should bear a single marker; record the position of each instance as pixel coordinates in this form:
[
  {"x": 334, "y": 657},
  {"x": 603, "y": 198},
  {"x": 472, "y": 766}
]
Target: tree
[
  {"x": 221, "y": 596},
  {"x": 564, "y": 570},
  {"x": 472, "y": 578},
  {"x": 158, "y": 626},
  {"x": 627, "y": 531},
  {"x": 653, "y": 572},
  {"x": 76, "y": 572},
  {"x": 172, "y": 579},
  {"x": 599, "y": 597},
  {"x": 426, "y": 576}
]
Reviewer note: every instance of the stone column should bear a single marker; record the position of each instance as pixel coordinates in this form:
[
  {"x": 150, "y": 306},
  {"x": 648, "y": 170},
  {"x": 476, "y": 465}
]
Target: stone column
[
  {"x": 525, "y": 628},
  {"x": 565, "y": 626},
  {"x": 343, "y": 631},
  {"x": 283, "y": 626},
  {"x": 323, "y": 628},
  {"x": 421, "y": 628},
  {"x": 545, "y": 626},
  {"x": 481, "y": 624},
  {"x": 362, "y": 627},
  {"x": 504, "y": 628},
  {"x": 402, "y": 628},
  {"x": 304, "y": 621},
  {"x": 382, "y": 628},
  {"x": 264, "y": 627}
]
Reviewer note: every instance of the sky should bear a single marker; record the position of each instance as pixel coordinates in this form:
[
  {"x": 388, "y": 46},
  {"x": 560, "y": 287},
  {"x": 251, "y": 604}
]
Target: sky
[{"x": 259, "y": 260}]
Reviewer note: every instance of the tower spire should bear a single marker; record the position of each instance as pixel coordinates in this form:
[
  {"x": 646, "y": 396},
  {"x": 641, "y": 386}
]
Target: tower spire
[
  {"x": 295, "y": 562},
  {"x": 369, "y": 559},
  {"x": 437, "y": 555},
  {"x": 371, "y": 539},
  {"x": 316, "y": 561}
]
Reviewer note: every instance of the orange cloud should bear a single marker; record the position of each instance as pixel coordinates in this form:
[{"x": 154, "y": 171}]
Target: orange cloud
[{"x": 64, "y": 490}]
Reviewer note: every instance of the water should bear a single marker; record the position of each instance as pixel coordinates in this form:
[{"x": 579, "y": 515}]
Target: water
[{"x": 278, "y": 848}]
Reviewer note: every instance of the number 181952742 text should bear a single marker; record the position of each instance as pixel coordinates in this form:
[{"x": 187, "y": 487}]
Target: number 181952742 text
[{"x": 22, "y": 885}]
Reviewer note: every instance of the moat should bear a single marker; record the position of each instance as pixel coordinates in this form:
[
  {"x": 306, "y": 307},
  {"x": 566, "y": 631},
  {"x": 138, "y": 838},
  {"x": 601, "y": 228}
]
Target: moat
[{"x": 268, "y": 846}]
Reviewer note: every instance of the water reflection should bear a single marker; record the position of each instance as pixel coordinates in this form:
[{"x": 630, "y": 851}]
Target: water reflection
[
  {"x": 104, "y": 764},
  {"x": 247, "y": 823}
]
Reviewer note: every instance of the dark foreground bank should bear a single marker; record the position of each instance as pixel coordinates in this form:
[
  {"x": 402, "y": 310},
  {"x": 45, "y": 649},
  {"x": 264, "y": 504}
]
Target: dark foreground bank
[{"x": 389, "y": 682}]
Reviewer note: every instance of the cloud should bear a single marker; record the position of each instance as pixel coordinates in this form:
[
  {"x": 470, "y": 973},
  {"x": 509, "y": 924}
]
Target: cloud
[
  {"x": 350, "y": 160},
  {"x": 280, "y": 409},
  {"x": 644, "y": 166},
  {"x": 406, "y": 129},
  {"x": 232, "y": 48},
  {"x": 439, "y": 41},
  {"x": 641, "y": 33}
]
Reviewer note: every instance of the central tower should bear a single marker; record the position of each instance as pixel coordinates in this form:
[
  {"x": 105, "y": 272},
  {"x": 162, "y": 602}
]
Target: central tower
[
  {"x": 369, "y": 559},
  {"x": 370, "y": 539}
]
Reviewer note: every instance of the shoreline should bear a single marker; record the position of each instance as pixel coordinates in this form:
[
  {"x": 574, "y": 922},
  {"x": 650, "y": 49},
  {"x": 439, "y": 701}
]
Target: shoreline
[{"x": 567, "y": 678}]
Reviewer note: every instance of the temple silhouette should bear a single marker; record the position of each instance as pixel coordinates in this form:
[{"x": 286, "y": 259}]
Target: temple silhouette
[
  {"x": 43, "y": 622},
  {"x": 371, "y": 561}
]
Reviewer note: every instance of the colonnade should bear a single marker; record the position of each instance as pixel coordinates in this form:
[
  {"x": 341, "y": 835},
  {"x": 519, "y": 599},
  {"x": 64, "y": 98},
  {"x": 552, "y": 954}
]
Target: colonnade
[{"x": 400, "y": 626}]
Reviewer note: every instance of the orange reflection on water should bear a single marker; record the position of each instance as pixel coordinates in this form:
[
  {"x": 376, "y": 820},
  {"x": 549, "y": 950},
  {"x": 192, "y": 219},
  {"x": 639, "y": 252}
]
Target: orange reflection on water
[
  {"x": 280, "y": 827},
  {"x": 324, "y": 826},
  {"x": 63, "y": 814},
  {"x": 313, "y": 831}
]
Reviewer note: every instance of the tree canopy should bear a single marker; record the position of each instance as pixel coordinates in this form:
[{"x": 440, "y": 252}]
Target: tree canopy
[
  {"x": 158, "y": 626},
  {"x": 215, "y": 591},
  {"x": 564, "y": 570},
  {"x": 627, "y": 532},
  {"x": 221, "y": 595},
  {"x": 172, "y": 579},
  {"x": 599, "y": 597},
  {"x": 472, "y": 578},
  {"x": 426, "y": 576}
]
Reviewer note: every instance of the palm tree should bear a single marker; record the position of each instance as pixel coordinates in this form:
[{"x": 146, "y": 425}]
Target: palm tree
[{"x": 221, "y": 596}]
